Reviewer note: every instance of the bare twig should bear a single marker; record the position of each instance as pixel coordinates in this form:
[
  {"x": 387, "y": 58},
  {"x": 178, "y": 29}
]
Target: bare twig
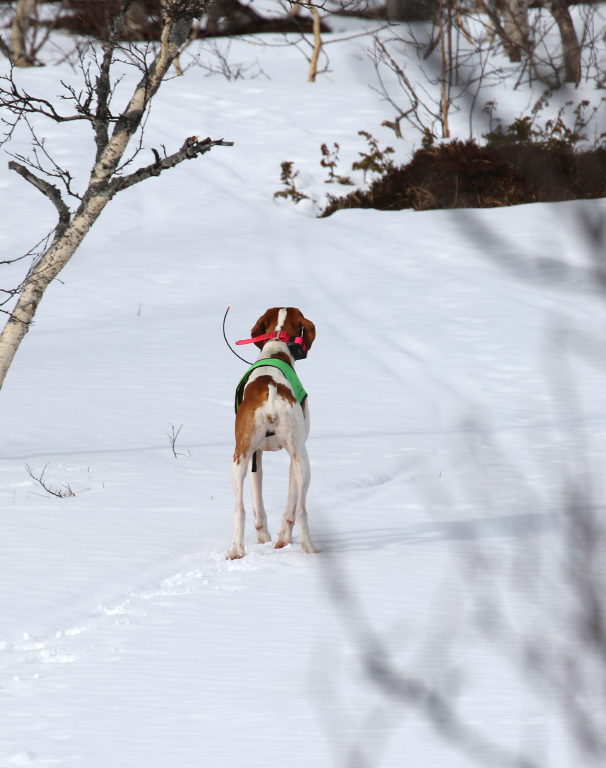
[
  {"x": 57, "y": 493},
  {"x": 38, "y": 148},
  {"x": 4, "y": 49},
  {"x": 230, "y": 71},
  {"x": 172, "y": 438},
  {"x": 19, "y": 103}
]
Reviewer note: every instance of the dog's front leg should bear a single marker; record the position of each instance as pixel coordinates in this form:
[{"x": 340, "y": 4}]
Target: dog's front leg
[
  {"x": 256, "y": 489},
  {"x": 238, "y": 473}
]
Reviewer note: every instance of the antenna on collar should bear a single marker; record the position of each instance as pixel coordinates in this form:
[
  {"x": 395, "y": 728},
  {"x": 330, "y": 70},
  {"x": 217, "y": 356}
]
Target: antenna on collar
[{"x": 227, "y": 342}]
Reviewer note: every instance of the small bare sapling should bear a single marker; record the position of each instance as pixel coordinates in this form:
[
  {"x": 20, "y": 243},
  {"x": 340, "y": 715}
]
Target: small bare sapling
[{"x": 172, "y": 438}]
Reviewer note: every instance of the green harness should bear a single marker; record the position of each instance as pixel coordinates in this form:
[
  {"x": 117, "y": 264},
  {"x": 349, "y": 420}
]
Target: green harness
[{"x": 272, "y": 362}]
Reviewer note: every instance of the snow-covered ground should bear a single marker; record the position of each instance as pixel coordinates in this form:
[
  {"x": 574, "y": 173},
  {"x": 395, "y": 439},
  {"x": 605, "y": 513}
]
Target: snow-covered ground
[{"x": 455, "y": 388}]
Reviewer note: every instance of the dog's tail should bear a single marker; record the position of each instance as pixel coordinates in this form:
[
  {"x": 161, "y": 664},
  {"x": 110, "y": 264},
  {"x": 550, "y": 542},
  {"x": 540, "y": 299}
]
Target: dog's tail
[{"x": 271, "y": 404}]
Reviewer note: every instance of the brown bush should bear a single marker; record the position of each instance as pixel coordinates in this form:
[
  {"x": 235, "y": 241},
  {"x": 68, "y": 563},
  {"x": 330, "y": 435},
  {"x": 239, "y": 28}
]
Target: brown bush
[{"x": 464, "y": 175}]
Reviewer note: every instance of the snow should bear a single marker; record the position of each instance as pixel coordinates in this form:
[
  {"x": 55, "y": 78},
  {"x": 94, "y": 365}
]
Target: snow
[{"x": 455, "y": 388}]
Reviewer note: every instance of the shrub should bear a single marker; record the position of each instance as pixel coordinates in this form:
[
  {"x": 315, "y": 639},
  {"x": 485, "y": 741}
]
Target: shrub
[{"x": 464, "y": 175}]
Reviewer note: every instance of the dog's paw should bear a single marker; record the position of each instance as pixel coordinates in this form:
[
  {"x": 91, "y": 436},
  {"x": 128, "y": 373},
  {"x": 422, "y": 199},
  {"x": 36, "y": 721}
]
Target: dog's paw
[
  {"x": 281, "y": 543},
  {"x": 309, "y": 549},
  {"x": 263, "y": 537},
  {"x": 236, "y": 552}
]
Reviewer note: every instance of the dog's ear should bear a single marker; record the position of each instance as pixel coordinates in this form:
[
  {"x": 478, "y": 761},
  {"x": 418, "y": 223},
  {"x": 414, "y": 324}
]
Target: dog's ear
[
  {"x": 309, "y": 332},
  {"x": 260, "y": 328}
]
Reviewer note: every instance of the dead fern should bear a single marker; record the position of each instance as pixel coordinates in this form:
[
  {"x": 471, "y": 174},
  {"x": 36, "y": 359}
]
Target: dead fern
[
  {"x": 376, "y": 160},
  {"x": 330, "y": 159},
  {"x": 287, "y": 177}
]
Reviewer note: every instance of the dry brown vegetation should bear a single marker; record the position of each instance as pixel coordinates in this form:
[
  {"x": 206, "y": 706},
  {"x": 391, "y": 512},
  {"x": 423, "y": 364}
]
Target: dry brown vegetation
[{"x": 462, "y": 174}]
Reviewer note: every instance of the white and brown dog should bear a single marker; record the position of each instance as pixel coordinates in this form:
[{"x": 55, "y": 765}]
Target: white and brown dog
[{"x": 269, "y": 418}]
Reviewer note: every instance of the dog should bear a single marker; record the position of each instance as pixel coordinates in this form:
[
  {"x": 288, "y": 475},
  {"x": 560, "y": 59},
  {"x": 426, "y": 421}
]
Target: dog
[{"x": 273, "y": 414}]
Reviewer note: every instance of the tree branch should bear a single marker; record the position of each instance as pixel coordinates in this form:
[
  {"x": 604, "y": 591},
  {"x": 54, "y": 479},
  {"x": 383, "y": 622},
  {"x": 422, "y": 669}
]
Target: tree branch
[
  {"x": 103, "y": 85},
  {"x": 175, "y": 31},
  {"x": 5, "y": 49},
  {"x": 191, "y": 148},
  {"x": 48, "y": 189},
  {"x": 20, "y": 102}
]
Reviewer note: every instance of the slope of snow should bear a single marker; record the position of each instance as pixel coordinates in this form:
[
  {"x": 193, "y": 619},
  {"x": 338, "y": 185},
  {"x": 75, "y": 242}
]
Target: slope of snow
[{"x": 453, "y": 386}]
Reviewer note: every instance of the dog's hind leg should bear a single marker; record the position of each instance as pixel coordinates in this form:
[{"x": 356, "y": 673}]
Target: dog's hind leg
[
  {"x": 302, "y": 472},
  {"x": 256, "y": 489},
  {"x": 238, "y": 474},
  {"x": 285, "y": 534}
]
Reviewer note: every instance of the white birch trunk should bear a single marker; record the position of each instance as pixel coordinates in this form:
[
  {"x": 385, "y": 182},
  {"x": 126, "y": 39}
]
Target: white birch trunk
[
  {"x": 571, "y": 50},
  {"x": 313, "y": 64},
  {"x": 25, "y": 10},
  {"x": 515, "y": 26},
  {"x": 45, "y": 271}
]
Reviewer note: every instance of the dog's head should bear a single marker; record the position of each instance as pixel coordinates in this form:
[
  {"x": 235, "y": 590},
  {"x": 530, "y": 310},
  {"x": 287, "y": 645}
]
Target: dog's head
[{"x": 287, "y": 319}]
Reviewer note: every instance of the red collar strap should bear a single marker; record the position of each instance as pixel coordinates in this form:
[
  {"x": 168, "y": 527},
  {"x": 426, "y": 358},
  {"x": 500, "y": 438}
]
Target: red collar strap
[
  {"x": 282, "y": 336},
  {"x": 296, "y": 345}
]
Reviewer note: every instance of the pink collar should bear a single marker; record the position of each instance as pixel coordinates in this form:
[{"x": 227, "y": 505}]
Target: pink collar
[{"x": 282, "y": 336}]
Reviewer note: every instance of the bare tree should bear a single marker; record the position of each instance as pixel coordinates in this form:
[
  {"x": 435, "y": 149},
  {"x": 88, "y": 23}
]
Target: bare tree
[
  {"x": 112, "y": 134},
  {"x": 460, "y": 54},
  {"x": 571, "y": 50},
  {"x": 28, "y": 33},
  {"x": 513, "y": 28}
]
